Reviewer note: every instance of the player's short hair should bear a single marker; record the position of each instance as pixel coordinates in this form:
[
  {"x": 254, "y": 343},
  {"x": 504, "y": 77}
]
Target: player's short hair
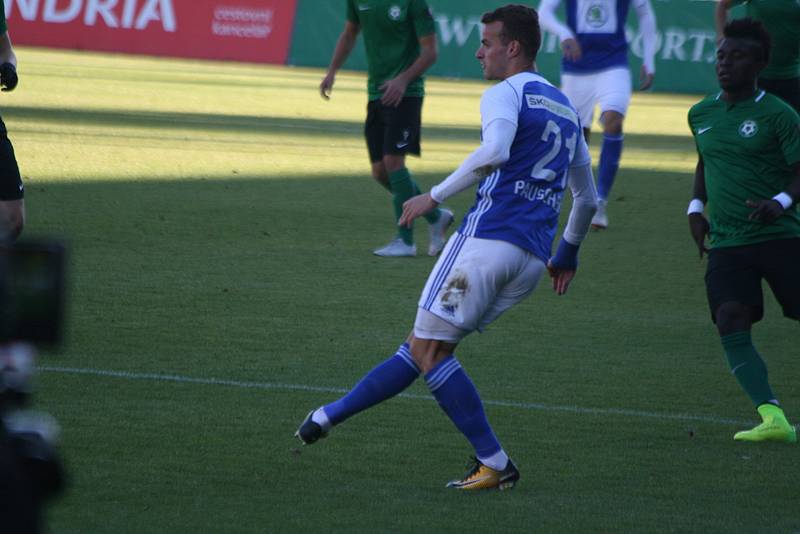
[
  {"x": 521, "y": 24},
  {"x": 751, "y": 30}
]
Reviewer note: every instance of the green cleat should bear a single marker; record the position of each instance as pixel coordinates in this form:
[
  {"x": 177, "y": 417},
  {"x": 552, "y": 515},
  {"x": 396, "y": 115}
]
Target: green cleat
[{"x": 775, "y": 427}]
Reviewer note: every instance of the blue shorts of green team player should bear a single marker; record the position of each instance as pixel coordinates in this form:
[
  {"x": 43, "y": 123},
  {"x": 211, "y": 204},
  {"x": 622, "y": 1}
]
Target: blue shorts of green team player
[
  {"x": 391, "y": 130},
  {"x": 734, "y": 274},
  {"x": 10, "y": 179}
]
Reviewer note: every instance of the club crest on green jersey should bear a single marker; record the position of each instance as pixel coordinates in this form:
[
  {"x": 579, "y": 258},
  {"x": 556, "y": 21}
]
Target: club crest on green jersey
[
  {"x": 395, "y": 12},
  {"x": 748, "y": 128}
]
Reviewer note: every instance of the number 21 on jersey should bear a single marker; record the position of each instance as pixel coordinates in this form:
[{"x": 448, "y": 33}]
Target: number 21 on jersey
[{"x": 540, "y": 170}]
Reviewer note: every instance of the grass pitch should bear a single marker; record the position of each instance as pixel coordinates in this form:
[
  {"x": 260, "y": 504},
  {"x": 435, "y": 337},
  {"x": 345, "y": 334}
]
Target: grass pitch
[{"x": 221, "y": 219}]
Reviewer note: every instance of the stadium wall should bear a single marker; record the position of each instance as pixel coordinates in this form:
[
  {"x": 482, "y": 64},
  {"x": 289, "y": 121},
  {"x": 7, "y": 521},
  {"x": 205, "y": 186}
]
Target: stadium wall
[
  {"x": 240, "y": 30},
  {"x": 304, "y": 33},
  {"x": 685, "y": 41}
]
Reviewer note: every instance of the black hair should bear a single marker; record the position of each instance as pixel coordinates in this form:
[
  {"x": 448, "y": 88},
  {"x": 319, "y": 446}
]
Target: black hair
[
  {"x": 521, "y": 24},
  {"x": 750, "y": 30}
]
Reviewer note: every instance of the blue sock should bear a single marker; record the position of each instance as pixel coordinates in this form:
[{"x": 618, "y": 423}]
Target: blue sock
[
  {"x": 610, "y": 152},
  {"x": 460, "y": 401},
  {"x": 385, "y": 381}
]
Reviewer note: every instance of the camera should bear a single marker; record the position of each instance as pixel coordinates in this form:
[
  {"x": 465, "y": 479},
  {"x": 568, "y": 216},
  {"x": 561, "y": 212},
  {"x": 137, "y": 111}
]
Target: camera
[
  {"x": 32, "y": 292},
  {"x": 32, "y": 297}
]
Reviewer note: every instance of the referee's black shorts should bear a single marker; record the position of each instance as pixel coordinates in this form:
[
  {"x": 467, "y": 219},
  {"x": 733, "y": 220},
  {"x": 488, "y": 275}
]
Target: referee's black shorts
[
  {"x": 391, "y": 130},
  {"x": 10, "y": 179},
  {"x": 734, "y": 274}
]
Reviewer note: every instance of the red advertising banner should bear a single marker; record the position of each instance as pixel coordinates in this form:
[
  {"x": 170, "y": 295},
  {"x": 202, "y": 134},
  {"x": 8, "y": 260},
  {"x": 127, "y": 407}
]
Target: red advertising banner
[{"x": 240, "y": 30}]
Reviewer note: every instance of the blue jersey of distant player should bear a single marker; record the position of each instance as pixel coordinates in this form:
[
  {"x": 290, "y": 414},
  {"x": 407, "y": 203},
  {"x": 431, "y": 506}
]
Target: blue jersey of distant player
[
  {"x": 521, "y": 200},
  {"x": 599, "y": 26}
]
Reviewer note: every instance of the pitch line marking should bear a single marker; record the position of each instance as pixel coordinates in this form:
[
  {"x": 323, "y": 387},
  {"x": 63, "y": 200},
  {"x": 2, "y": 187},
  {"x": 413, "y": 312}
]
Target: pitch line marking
[{"x": 180, "y": 379}]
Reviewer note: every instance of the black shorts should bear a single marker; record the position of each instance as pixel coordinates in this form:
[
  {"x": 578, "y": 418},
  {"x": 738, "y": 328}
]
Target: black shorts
[
  {"x": 10, "y": 180},
  {"x": 393, "y": 130},
  {"x": 788, "y": 90},
  {"x": 734, "y": 274}
]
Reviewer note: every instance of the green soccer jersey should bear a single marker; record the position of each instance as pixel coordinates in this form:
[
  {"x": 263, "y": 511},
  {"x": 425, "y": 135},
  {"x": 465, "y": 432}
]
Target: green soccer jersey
[
  {"x": 748, "y": 149},
  {"x": 781, "y": 18},
  {"x": 391, "y": 30},
  {"x": 3, "y": 23}
]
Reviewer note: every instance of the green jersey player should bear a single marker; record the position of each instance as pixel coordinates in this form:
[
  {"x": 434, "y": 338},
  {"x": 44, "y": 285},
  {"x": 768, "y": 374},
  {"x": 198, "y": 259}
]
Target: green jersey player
[
  {"x": 748, "y": 172},
  {"x": 400, "y": 41},
  {"x": 12, "y": 206},
  {"x": 781, "y": 18}
]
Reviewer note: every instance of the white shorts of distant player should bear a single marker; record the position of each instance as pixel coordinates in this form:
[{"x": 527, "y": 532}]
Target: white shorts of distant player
[
  {"x": 610, "y": 89},
  {"x": 472, "y": 284}
]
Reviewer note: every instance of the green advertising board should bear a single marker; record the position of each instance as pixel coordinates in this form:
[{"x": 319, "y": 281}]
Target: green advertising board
[{"x": 684, "y": 58}]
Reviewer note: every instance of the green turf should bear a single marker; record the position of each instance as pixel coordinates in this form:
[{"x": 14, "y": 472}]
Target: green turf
[{"x": 220, "y": 219}]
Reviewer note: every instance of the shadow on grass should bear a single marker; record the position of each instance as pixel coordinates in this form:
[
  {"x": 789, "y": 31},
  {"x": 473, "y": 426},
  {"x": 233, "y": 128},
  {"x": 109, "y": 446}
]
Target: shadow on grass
[{"x": 266, "y": 125}]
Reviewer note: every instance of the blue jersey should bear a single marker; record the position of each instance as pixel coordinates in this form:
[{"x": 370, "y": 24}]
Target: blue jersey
[
  {"x": 599, "y": 27},
  {"x": 521, "y": 200}
]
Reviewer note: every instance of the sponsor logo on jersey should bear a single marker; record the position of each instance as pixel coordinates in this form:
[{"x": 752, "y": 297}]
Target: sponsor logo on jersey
[
  {"x": 701, "y": 131},
  {"x": 597, "y": 16},
  {"x": 748, "y": 128},
  {"x": 542, "y": 102}
]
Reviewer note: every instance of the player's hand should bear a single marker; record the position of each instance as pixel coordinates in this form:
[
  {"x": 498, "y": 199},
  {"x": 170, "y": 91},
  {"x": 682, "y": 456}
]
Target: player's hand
[
  {"x": 561, "y": 278},
  {"x": 645, "y": 79},
  {"x": 8, "y": 76},
  {"x": 326, "y": 85},
  {"x": 572, "y": 49},
  {"x": 698, "y": 227},
  {"x": 765, "y": 211},
  {"x": 393, "y": 92},
  {"x": 416, "y": 207}
]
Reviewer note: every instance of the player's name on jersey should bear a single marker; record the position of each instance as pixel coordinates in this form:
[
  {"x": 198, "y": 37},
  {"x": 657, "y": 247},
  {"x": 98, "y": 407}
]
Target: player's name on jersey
[{"x": 535, "y": 193}]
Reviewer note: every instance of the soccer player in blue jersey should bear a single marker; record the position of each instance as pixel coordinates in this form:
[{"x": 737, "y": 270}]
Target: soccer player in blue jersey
[
  {"x": 532, "y": 149},
  {"x": 594, "y": 72}
]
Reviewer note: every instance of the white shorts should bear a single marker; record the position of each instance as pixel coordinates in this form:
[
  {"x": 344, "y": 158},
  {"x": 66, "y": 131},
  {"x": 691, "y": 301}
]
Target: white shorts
[
  {"x": 472, "y": 284},
  {"x": 610, "y": 89}
]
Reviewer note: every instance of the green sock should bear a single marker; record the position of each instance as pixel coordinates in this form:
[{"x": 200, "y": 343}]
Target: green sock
[
  {"x": 433, "y": 216},
  {"x": 402, "y": 190},
  {"x": 748, "y": 366}
]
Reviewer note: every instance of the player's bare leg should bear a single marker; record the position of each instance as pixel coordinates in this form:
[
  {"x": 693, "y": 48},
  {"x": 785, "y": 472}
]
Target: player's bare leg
[
  {"x": 380, "y": 175},
  {"x": 12, "y": 219}
]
